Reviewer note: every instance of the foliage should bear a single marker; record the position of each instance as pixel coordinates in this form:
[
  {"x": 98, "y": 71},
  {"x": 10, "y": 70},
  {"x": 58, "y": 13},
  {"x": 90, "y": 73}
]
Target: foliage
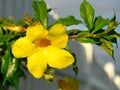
[{"x": 100, "y": 31}]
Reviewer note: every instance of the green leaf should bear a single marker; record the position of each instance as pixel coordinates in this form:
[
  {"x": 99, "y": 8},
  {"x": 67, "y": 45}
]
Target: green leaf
[
  {"x": 2, "y": 87},
  {"x": 75, "y": 67},
  {"x": 9, "y": 66},
  {"x": 109, "y": 38},
  {"x": 69, "y": 20},
  {"x": 12, "y": 67},
  {"x": 6, "y": 37},
  {"x": 86, "y": 40},
  {"x": 5, "y": 61},
  {"x": 112, "y": 25},
  {"x": 14, "y": 80},
  {"x": 77, "y": 32},
  {"x": 114, "y": 34},
  {"x": 87, "y": 13},
  {"x": 84, "y": 32},
  {"x": 100, "y": 23},
  {"x": 73, "y": 32},
  {"x": 107, "y": 46},
  {"x": 40, "y": 12}
]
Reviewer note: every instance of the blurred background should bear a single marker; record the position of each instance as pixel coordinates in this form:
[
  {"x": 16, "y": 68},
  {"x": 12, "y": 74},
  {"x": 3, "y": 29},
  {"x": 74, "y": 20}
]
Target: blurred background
[{"x": 97, "y": 70}]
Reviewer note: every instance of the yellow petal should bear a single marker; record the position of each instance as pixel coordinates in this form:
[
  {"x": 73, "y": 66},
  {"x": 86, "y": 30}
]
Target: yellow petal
[
  {"x": 58, "y": 58},
  {"x": 57, "y": 29},
  {"x": 36, "y": 32},
  {"x": 58, "y": 36},
  {"x": 23, "y": 48},
  {"x": 59, "y": 41},
  {"x": 37, "y": 64}
]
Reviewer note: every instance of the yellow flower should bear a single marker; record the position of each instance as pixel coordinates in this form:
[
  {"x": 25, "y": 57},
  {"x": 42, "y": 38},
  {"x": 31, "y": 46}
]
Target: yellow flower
[{"x": 42, "y": 48}]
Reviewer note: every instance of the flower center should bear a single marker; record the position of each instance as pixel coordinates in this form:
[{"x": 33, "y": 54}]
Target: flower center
[{"x": 44, "y": 43}]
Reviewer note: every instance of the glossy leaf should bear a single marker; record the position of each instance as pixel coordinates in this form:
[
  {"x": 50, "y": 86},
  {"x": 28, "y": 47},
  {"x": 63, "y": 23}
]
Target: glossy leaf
[
  {"x": 2, "y": 87},
  {"x": 107, "y": 46},
  {"x": 100, "y": 23},
  {"x": 6, "y": 37},
  {"x": 75, "y": 67},
  {"x": 9, "y": 36},
  {"x": 77, "y": 32},
  {"x": 87, "y": 14},
  {"x": 114, "y": 34},
  {"x": 73, "y": 32},
  {"x": 67, "y": 21},
  {"x": 87, "y": 40},
  {"x": 12, "y": 67},
  {"x": 5, "y": 61},
  {"x": 112, "y": 25},
  {"x": 84, "y": 32},
  {"x": 14, "y": 80},
  {"x": 109, "y": 38},
  {"x": 40, "y": 12},
  {"x": 9, "y": 67}
]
